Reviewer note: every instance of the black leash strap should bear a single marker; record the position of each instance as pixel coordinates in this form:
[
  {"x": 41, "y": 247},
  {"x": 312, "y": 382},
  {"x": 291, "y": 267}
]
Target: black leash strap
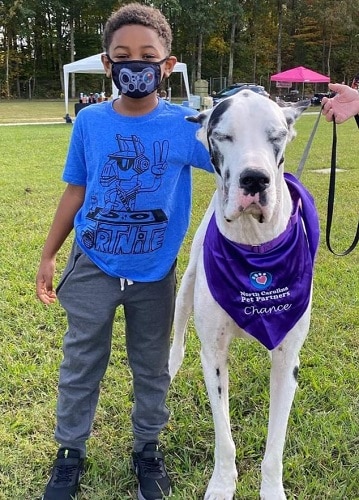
[{"x": 331, "y": 195}]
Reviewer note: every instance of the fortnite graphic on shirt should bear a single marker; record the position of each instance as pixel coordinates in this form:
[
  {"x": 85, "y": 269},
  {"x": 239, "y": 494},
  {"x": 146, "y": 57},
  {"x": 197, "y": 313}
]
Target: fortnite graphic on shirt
[{"x": 117, "y": 225}]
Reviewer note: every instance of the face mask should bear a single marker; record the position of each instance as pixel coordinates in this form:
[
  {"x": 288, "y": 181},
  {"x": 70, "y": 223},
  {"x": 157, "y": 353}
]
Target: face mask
[{"x": 136, "y": 78}]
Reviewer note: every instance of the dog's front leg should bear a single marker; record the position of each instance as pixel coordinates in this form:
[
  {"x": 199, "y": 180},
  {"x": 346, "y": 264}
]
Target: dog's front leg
[
  {"x": 210, "y": 322},
  {"x": 214, "y": 362},
  {"x": 283, "y": 383},
  {"x": 184, "y": 300}
]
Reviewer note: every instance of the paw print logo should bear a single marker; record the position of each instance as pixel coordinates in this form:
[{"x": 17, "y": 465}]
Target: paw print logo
[{"x": 260, "y": 280}]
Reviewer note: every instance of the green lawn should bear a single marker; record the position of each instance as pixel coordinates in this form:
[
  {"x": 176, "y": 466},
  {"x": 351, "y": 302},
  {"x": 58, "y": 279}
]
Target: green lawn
[
  {"x": 321, "y": 458},
  {"x": 22, "y": 111}
]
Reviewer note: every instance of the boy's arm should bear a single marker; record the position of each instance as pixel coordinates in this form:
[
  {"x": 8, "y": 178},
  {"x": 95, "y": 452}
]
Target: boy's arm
[{"x": 70, "y": 202}]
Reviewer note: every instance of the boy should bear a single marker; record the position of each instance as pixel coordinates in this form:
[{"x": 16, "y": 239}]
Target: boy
[{"x": 128, "y": 201}]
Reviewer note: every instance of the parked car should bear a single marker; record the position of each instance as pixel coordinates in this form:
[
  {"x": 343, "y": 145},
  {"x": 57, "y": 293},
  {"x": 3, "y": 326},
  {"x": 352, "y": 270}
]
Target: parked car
[
  {"x": 317, "y": 98},
  {"x": 237, "y": 87},
  {"x": 293, "y": 96}
]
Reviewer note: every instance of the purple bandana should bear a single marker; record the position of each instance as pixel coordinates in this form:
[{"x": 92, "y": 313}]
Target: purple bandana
[{"x": 266, "y": 289}]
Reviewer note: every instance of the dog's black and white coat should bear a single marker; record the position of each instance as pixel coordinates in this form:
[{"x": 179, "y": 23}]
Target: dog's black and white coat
[{"x": 256, "y": 216}]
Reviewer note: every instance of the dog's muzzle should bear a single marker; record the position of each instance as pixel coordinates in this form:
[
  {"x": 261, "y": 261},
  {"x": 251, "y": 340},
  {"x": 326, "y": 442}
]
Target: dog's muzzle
[{"x": 253, "y": 193}]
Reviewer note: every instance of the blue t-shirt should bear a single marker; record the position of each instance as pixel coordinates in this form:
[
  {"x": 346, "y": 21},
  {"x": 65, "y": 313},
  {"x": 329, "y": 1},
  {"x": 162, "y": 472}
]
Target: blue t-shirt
[{"x": 137, "y": 173}]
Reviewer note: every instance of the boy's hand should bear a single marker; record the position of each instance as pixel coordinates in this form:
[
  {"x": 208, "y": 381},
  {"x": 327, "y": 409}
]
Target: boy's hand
[
  {"x": 44, "y": 288},
  {"x": 343, "y": 105}
]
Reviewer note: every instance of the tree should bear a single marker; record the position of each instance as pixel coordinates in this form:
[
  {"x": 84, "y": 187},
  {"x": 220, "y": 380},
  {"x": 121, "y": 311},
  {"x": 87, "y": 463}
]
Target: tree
[{"x": 246, "y": 40}]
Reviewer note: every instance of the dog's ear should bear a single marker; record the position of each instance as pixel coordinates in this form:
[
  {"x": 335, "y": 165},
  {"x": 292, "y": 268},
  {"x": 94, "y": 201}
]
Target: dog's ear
[
  {"x": 292, "y": 112},
  {"x": 202, "y": 119}
]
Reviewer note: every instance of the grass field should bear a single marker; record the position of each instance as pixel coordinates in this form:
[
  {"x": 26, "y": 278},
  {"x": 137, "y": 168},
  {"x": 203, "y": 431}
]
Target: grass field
[
  {"x": 22, "y": 111},
  {"x": 321, "y": 459}
]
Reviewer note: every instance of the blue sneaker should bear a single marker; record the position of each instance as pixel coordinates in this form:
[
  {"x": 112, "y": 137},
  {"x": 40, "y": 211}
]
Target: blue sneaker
[
  {"x": 65, "y": 477},
  {"x": 149, "y": 467}
]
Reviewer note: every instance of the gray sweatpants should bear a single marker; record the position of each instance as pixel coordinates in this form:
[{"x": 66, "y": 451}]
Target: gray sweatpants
[{"x": 90, "y": 298}]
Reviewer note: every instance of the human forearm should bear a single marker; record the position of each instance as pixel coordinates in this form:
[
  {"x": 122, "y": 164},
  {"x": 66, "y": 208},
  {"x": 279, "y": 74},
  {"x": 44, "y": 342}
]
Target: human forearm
[
  {"x": 62, "y": 225},
  {"x": 71, "y": 201}
]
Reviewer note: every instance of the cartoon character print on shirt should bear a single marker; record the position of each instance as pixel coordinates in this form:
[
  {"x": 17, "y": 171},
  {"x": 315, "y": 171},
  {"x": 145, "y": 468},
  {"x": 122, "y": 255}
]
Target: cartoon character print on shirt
[{"x": 118, "y": 226}]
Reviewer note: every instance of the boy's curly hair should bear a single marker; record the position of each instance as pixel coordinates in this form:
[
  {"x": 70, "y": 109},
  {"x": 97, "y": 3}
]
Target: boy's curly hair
[{"x": 136, "y": 13}]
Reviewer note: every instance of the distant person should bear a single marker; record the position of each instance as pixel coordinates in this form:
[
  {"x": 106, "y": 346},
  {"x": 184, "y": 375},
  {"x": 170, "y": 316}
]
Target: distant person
[
  {"x": 344, "y": 105},
  {"x": 128, "y": 199},
  {"x": 355, "y": 82}
]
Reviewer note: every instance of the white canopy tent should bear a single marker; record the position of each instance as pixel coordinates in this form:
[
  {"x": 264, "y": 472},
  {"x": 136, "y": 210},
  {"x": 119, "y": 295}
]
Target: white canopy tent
[{"x": 93, "y": 64}]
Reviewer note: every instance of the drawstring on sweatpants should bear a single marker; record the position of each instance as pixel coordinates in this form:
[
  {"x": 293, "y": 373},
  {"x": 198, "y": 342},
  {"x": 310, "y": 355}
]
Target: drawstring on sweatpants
[{"x": 123, "y": 281}]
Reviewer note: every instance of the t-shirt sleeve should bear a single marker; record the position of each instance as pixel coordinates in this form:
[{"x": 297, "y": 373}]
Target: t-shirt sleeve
[
  {"x": 75, "y": 171},
  {"x": 201, "y": 158}
]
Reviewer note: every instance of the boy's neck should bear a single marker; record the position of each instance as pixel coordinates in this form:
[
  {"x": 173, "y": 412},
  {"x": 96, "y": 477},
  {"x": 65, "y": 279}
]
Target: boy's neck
[{"x": 136, "y": 107}]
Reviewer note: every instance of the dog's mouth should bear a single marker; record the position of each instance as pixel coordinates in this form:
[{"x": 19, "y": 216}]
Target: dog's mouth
[
  {"x": 261, "y": 214},
  {"x": 253, "y": 204},
  {"x": 247, "y": 204},
  {"x": 252, "y": 194},
  {"x": 255, "y": 210}
]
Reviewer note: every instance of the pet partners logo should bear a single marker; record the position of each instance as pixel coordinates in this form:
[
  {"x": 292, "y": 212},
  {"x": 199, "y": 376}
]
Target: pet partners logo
[{"x": 260, "y": 281}]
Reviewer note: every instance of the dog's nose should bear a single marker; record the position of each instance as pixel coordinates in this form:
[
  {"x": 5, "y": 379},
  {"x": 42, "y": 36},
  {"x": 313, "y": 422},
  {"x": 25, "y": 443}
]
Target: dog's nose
[{"x": 253, "y": 182}]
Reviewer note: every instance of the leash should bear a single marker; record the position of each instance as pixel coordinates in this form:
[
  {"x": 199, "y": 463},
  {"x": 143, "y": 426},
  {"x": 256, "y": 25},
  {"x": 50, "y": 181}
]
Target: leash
[
  {"x": 331, "y": 193},
  {"x": 308, "y": 146}
]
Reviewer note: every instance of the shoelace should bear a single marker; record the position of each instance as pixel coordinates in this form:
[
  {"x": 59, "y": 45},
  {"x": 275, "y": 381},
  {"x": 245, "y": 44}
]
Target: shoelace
[
  {"x": 64, "y": 473},
  {"x": 152, "y": 465}
]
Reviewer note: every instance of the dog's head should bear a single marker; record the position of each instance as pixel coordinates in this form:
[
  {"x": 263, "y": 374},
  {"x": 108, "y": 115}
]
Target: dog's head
[{"x": 246, "y": 136}]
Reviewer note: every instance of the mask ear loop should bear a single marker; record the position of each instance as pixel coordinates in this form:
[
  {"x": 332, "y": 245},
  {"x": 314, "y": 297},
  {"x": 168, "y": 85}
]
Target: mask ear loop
[{"x": 109, "y": 58}]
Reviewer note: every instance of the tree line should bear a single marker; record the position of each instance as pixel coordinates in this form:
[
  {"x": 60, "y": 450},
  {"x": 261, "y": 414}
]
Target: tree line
[{"x": 220, "y": 40}]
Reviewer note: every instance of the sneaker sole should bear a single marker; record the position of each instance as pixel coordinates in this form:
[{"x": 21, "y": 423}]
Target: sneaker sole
[
  {"x": 73, "y": 498},
  {"x": 141, "y": 497}
]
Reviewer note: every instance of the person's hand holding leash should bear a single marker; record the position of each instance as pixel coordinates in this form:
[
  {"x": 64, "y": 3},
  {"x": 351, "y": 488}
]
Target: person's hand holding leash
[{"x": 343, "y": 105}]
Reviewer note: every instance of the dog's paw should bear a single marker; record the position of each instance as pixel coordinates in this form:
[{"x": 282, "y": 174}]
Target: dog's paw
[
  {"x": 218, "y": 495},
  {"x": 273, "y": 494},
  {"x": 273, "y": 497},
  {"x": 221, "y": 490}
]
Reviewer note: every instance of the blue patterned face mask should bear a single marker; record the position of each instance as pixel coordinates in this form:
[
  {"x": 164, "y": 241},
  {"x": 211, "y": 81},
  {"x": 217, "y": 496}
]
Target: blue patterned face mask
[{"x": 136, "y": 78}]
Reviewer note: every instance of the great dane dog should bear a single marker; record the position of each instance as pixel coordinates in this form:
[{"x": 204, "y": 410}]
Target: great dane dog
[{"x": 250, "y": 271}]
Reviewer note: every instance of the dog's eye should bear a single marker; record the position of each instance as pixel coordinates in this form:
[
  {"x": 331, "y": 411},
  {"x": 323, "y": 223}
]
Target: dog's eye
[
  {"x": 281, "y": 161},
  {"x": 218, "y": 136},
  {"x": 276, "y": 137}
]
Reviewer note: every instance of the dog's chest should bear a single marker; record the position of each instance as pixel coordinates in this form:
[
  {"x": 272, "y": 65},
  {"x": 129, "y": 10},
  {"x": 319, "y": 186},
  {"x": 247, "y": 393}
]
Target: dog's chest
[{"x": 265, "y": 292}]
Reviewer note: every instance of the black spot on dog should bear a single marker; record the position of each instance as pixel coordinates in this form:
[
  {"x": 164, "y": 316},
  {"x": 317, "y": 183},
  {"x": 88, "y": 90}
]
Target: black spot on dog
[
  {"x": 263, "y": 198},
  {"x": 227, "y": 176},
  {"x": 216, "y": 157},
  {"x": 219, "y": 391},
  {"x": 218, "y": 372},
  {"x": 295, "y": 372},
  {"x": 217, "y": 112},
  {"x": 196, "y": 118}
]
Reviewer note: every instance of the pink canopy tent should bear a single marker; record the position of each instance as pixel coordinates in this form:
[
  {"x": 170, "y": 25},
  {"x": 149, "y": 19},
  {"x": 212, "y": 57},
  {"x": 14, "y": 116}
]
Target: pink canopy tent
[{"x": 300, "y": 74}]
